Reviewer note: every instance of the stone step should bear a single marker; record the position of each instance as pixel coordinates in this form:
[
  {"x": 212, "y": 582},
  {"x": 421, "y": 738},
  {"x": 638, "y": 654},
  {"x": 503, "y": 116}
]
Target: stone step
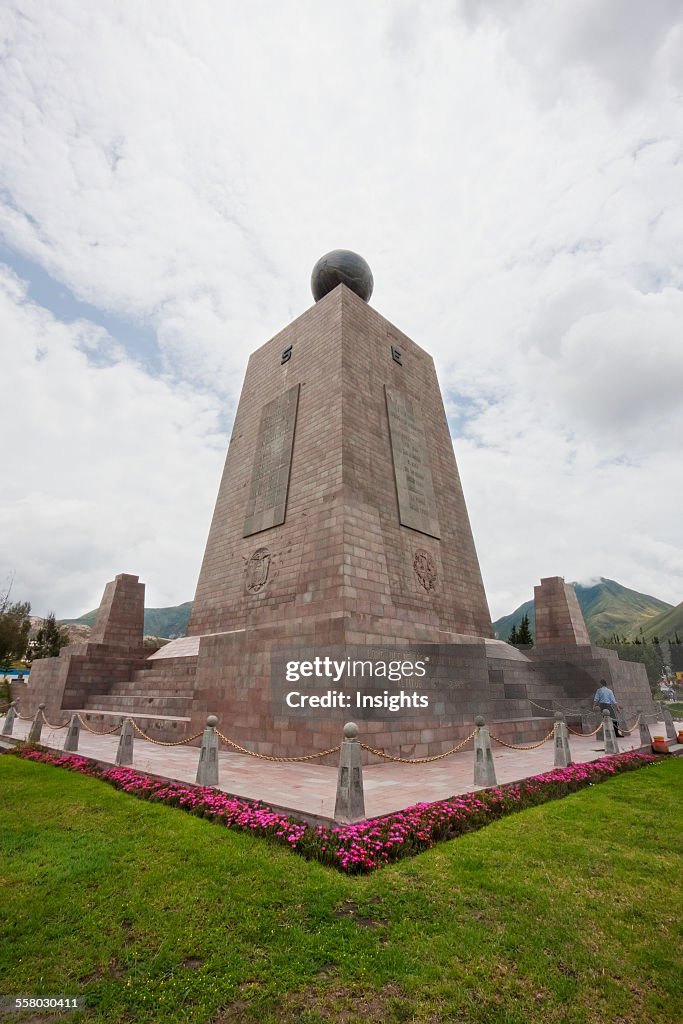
[
  {"x": 91, "y": 714},
  {"x": 139, "y": 703},
  {"x": 162, "y": 727},
  {"x": 166, "y": 670},
  {"x": 131, "y": 689}
]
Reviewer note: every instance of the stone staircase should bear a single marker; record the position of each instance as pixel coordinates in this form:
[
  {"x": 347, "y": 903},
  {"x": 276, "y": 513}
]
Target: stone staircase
[{"x": 158, "y": 697}]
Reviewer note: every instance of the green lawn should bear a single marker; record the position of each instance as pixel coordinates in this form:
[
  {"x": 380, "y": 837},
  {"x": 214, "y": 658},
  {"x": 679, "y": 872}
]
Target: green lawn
[{"x": 568, "y": 912}]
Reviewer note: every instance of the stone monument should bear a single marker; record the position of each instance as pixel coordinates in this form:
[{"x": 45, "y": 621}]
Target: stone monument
[{"x": 340, "y": 525}]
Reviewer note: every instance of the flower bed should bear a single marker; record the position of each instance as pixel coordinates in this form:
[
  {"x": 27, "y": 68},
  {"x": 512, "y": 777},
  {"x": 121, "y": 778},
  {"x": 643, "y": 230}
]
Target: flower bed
[{"x": 363, "y": 847}]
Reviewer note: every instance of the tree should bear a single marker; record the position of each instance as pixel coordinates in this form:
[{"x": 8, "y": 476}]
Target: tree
[
  {"x": 50, "y": 639},
  {"x": 520, "y": 636},
  {"x": 14, "y": 628},
  {"x": 524, "y": 637}
]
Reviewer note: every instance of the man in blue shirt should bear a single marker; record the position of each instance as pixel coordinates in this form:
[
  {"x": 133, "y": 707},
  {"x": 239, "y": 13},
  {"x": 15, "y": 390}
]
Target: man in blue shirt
[{"x": 605, "y": 699}]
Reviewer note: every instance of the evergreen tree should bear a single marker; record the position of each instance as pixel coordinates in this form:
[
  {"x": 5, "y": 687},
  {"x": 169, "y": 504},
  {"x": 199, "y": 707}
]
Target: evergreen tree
[
  {"x": 50, "y": 639},
  {"x": 512, "y": 639},
  {"x": 524, "y": 637}
]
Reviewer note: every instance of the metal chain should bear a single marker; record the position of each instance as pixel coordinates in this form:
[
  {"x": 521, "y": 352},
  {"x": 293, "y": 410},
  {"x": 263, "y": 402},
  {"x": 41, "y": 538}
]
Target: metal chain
[
  {"x": 530, "y": 746},
  {"x": 566, "y": 711},
  {"x": 107, "y": 732},
  {"x": 164, "y": 743},
  {"x": 57, "y": 728},
  {"x": 627, "y": 732},
  {"x": 269, "y": 757},
  {"x": 417, "y": 760},
  {"x": 587, "y": 734},
  {"x": 24, "y": 718}
]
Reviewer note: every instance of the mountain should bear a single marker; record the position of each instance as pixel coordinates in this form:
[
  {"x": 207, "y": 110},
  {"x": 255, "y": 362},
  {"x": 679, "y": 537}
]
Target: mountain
[
  {"x": 166, "y": 622},
  {"x": 608, "y": 608},
  {"x": 666, "y": 625}
]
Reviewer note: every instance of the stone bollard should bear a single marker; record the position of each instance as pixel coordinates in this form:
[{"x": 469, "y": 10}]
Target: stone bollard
[
  {"x": 207, "y": 769},
  {"x": 484, "y": 770},
  {"x": 36, "y": 725},
  {"x": 349, "y": 805},
  {"x": 73, "y": 733},
  {"x": 8, "y": 725},
  {"x": 669, "y": 723},
  {"x": 563, "y": 755},
  {"x": 645, "y": 737},
  {"x": 611, "y": 745},
  {"x": 124, "y": 754}
]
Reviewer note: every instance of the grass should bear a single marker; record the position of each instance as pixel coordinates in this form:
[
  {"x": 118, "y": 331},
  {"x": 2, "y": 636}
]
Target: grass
[
  {"x": 565, "y": 912},
  {"x": 676, "y": 709}
]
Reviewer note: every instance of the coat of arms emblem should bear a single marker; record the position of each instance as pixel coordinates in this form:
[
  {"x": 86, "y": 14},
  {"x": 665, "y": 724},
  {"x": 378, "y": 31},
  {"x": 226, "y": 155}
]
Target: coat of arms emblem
[
  {"x": 425, "y": 569},
  {"x": 258, "y": 568}
]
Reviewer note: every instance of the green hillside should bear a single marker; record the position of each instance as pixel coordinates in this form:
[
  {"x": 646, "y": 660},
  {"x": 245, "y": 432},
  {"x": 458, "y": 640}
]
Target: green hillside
[
  {"x": 608, "y": 608},
  {"x": 166, "y": 622},
  {"x": 666, "y": 625}
]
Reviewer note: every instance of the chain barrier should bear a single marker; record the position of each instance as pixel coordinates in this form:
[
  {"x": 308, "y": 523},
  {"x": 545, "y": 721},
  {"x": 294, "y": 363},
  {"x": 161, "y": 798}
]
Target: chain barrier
[
  {"x": 107, "y": 732},
  {"x": 164, "y": 743},
  {"x": 270, "y": 757},
  {"x": 529, "y": 746},
  {"x": 627, "y": 732},
  {"x": 587, "y": 734},
  {"x": 416, "y": 760},
  {"x": 565, "y": 711},
  {"x": 57, "y": 728}
]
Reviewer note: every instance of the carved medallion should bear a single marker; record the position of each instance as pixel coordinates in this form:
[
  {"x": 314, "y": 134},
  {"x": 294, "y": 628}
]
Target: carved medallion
[
  {"x": 258, "y": 568},
  {"x": 425, "y": 569}
]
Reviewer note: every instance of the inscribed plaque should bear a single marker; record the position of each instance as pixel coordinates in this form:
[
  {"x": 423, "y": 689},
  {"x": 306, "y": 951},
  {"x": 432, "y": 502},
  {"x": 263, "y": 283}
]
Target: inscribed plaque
[
  {"x": 416, "y": 502},
  {"x": 267, "y": 504}
]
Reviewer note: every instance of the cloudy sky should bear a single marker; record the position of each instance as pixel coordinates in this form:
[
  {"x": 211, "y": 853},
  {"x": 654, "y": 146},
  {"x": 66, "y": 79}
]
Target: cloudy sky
[{"x": 169, "y": 174}]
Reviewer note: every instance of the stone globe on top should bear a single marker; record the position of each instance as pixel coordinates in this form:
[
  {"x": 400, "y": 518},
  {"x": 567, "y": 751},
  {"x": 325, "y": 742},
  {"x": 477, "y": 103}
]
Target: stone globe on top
[{"x": 341, "y": 266}]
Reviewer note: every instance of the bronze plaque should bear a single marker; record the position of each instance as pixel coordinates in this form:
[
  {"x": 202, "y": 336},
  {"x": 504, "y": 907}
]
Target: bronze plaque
[
  {"x": 416, "y": 502},
  {"x": 267, "y": 505}
]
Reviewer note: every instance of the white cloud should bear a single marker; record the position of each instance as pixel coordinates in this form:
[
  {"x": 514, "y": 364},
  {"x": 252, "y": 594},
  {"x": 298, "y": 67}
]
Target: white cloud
[
  {"x": 105, "y": 466},
  {"x": 511, "y": 172}
]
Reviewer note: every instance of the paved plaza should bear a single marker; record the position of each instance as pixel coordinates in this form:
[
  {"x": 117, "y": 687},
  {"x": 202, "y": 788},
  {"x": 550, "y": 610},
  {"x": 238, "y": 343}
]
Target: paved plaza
[{"x": 310, "y": 789}]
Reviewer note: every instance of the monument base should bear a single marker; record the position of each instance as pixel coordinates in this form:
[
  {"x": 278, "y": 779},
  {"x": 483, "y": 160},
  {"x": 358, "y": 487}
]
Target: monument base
[{"x": 239, "y": 676}]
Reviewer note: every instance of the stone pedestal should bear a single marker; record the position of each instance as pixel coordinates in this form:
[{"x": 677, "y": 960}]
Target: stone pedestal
[
  {"x": 484, "y": 769},
  {"x": 207, "y": 769},
  {"x": 8, "y": 724},
  {"x": 563, "y": 757},
  {"x": 350, "y": 802},
  {"x": 611, "y": 745},
  {"x": 34, "y": 732},
  {"x": 124, "y": 753},
  {"x": 73, "y": 734}
]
